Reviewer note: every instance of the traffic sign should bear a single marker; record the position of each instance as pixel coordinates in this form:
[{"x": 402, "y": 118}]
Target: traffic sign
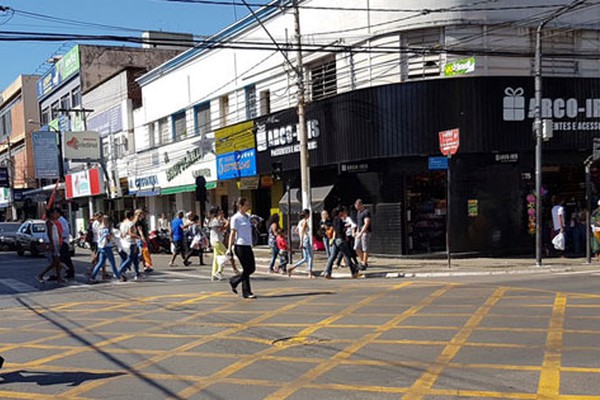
[
  {"x": 449, "y": 142},
  {"x": 438, "y": 163}
]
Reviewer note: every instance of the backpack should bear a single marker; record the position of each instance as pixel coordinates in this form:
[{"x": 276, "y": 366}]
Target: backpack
[{"x": 89, "y": 234}]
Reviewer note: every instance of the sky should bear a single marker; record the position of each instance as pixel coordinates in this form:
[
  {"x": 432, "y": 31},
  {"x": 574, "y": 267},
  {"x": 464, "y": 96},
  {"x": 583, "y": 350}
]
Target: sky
[{"x": 27, "y": 57}]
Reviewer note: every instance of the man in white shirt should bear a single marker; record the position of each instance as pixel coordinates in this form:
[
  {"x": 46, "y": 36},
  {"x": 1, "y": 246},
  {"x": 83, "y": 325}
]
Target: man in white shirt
[
  {"x": 65, "y": 253},
  {"x": 558, "y": 216}
]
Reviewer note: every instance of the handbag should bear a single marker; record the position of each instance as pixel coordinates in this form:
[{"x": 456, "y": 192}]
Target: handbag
[{"x": 559, "y": 241}]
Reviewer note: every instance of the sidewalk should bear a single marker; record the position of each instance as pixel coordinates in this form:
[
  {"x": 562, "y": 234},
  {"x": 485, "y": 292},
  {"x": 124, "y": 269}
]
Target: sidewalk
[{"x": 385, "y": 267}]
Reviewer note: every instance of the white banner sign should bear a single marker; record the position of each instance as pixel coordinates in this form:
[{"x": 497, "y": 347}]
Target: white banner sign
[{"x": 81, "y": 145}]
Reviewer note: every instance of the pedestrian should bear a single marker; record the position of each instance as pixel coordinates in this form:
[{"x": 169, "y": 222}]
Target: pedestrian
[
  {"x": 558, "y": 221},
  {"x": 240, "y": 242},
  {"x": 340, "y": 244},
  {"x": 141, "y": 227},
  {"x": 217, "y": 231},
  {"x": 226, "y": 235},
  {"x": 284, "y": 249},
  {"x": 304, "y": 230},
  {"x": 105, "y": 250},
  {"x": 130, "y": 237},
  {"x": 65, "y": 252},
  {"x": 163, "y": 223},
  {"x": 350, "y": 232},
  {"x": 53, "y": 242},
  {"x": 363, "y": 234},
  {"x": 194, "y": 239},
  {"x": 326, "y": 231},
  {"x": 272, "y": 241},
  {"x": 177, "y": 238},
  {"x": 596, "y": 230}
]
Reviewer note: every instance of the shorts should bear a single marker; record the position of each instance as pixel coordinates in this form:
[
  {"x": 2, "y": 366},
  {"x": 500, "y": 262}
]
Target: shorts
[
  {"x": 178, "y": 247},
  {"x": 362, "y": 244}
]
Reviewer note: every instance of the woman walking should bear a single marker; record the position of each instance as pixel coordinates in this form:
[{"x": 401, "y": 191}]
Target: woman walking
[
  {"x": 105, "y": 250},
  {"x": 272, "y": 241},
  {"x": 303, "y": 230},
  {"x": 130, "y": 237},
  {"x": 240, "y": 241},
  {"x": 340, "y": 244},
  {"x": 326, "y": 230},
  {"x": 217, "y": 233}
]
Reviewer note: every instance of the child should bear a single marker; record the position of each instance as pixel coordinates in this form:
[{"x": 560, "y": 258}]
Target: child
[{"x": 283, "y": 247}]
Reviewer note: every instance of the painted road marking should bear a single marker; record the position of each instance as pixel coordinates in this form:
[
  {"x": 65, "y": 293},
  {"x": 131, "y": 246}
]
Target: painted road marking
[{"x": 18, "y": 286}]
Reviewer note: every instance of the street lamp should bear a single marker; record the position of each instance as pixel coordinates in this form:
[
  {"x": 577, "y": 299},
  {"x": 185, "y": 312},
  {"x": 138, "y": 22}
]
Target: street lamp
[{"x": 537, "y": 125}]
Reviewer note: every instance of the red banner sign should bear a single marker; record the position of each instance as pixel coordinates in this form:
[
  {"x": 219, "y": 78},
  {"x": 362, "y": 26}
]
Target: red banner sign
[{"x": 449, "y": 142}]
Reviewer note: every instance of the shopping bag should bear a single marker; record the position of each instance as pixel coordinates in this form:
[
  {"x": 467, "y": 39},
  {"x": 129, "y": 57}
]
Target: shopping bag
[
  {"x": 196, "y": 242},
  {"x": 223, "y": 261},
  {"x": 559, "y": 241}
]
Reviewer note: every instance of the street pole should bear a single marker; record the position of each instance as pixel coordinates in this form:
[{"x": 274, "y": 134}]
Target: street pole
[
  {"x": 537, "y": 125},
  {"x": 448, "y": 194},
  {"x": 588, "y": 218},
  {"x": 304, "y": 157}
]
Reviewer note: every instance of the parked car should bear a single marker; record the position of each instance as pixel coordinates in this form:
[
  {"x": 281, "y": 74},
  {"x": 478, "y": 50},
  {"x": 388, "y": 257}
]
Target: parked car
[
  {"x": 30, "y": 237},
  {"x": 8, "y": 235}
]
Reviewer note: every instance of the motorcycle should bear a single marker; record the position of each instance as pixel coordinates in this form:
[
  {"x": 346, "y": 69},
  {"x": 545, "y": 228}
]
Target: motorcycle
[
  {"x": 80, "y": 241},
  {"x": 159, "y": 242}
]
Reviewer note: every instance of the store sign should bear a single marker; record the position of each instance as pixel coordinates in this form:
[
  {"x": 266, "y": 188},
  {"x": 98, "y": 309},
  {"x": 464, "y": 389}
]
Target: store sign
[
  {"x": 84, "y": 183},
  {"x": 62, "y": 70},
  {"x": 449, "y": 142},
  {"x": 506, "y": 158},
  {"x": 190, "y": 158},
  {"x": 460, "y": 67},
  {"x": 45, "y": 154},
  {"x": 107, "y": 122},
  {"x": 285, "y": 139},
  {"x": 143, "y": 183},
  {"x": 235, "y": 138},
  {"x": 354, "y": 168},
  {"x": 239, "y": 164},
  {"x": 82, "y": 145},
  {"x": 4, "y": 197},
  {"x": 586, "y": 112},
  {"x": 473, "y": 207},
  {"x": 4, "y": 182}
]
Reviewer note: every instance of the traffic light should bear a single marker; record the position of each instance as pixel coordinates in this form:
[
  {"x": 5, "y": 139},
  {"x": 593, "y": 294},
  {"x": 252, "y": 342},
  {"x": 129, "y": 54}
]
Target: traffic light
[{"x": 200, "y": 189}]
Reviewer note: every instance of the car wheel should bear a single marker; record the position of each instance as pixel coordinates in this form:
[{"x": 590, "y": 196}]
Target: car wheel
[{"x": 20, "y": 251}]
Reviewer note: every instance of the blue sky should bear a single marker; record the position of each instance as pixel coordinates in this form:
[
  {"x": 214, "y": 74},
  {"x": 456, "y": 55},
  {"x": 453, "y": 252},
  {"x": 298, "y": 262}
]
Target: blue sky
[{"x": 25, "y": 57}]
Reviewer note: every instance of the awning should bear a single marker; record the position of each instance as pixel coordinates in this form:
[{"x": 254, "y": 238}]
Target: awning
[
  {"x": 179, "y": 189},
  {"x": 318, "y": 194}
]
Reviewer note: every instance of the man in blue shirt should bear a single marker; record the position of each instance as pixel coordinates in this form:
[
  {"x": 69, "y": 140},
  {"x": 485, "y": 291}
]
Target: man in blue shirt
[{"x": 177, "y": 236}]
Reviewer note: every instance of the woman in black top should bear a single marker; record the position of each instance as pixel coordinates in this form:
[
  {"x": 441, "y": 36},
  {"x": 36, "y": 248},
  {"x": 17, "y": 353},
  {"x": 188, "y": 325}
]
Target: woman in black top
[
  {"x": 273, "y": 228},
  {"x": 340, "y": 245}
]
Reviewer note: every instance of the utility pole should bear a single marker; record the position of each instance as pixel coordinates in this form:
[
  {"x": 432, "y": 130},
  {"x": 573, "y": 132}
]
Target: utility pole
[
  {"x": 537, "y": 125},
  {"x": 304, "y": 157}
]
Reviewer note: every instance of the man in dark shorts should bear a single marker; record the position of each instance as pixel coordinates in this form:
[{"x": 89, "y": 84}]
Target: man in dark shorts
[
  {"x": 177, "y": 238},
  {"x": 363, "y": 233}
]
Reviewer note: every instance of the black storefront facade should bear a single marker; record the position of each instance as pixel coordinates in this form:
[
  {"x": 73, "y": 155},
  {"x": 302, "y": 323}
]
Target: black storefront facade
[{"x": 377, "y": 144}]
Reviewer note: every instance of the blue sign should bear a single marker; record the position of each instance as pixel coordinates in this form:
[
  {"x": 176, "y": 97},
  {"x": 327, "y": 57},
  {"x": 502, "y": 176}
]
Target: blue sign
[
  {"x": 106, "y": 122},
  {"x": 239, "y": 164},
  {"x": 45, "y": 154},
  {"x": 438, "y": 163}
]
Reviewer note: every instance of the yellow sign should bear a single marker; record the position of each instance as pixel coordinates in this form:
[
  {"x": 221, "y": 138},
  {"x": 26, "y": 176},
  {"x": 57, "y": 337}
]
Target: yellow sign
[{"x": 235, "y": 138}]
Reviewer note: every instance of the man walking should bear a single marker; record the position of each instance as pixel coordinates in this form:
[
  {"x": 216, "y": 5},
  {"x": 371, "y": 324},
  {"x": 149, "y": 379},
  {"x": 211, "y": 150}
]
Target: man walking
[
  {"x": 177, "y": 236},
  {"x": 363, "y": 234},
  {"x": 65, "y": 254}
]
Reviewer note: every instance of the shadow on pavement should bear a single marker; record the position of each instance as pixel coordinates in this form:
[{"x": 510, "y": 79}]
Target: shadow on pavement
[
  {"x": 285, "y": 295},
  {"x": 53, "y": 378}
]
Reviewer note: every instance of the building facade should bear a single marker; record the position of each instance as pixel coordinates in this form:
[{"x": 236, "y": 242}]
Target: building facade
[{"x": 381, "y": 86}]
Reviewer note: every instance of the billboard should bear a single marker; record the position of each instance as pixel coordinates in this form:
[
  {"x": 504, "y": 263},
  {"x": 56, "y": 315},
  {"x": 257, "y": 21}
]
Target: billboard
[
  {"x": 107, "y": 122},
  {"x": 45, "y": 155},
  {"x": 61, "y": 71},
  {"x": 84, "y": 183},
  {"x": 81, "y": 145},
  {"x": 235, "y": 138},
  {"x": 239, "y": 164}
]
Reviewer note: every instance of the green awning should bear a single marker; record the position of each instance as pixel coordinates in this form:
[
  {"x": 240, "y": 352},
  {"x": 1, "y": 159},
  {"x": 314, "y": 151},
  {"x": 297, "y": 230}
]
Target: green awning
[{"x": 179, "y": 189}]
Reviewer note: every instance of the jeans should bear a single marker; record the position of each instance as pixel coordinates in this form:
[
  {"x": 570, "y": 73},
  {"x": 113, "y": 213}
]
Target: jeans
[
  {"x": 65, "y": 258},
  {"x": 132, "y": 258},
  {"x": 246, "y": 257},
  {"x": 327, "y": 246},
  {"x": 104, "y": 254},
  {"x": 274, "y": 254},
  {"x": 340, "y": 247},
  {"x": 283, "y": 260},
  {"x": 307, "y": 256}
]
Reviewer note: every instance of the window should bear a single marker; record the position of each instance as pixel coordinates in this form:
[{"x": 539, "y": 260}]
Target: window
[
  {"x": 265, "y": 102},
  {"x": 6, "y": 123},
  {"x": 76, "y": 98},
  {"x": 45, "y": 116},
  {"x": 164, "y": 131},
  {"x": 151, "y": 135},
  {"x": 421, "y": 62},
  {"x": 65, "y": 102},
  {"x": 106, "y": 147},
  {"x": 179, "y": 128},
  {"x": 224, "y": 109},
  {"x": 202, "y": 118},
  {"x": 54, "y": 113},
  {"x": 323, "y": 79},
  {"x": 250, "y": 93}
]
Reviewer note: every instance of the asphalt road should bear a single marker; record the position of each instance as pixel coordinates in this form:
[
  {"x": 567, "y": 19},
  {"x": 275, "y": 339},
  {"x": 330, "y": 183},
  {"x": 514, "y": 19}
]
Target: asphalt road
[{"x": 178, "y": 335}]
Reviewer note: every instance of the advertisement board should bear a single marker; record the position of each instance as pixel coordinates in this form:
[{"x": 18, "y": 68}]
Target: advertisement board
[
  {"x": 63, "y": 69},
  {"x": 107, "y": 122},
  {"x": 45, "y": 154},
  {"x": 84, "y": 183},
  {"x": 239, "y": 164},
  {"x": 81, "y": 145},
  {"x": 4, "y": 197},
  {"x": 235, "y": 138}
]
